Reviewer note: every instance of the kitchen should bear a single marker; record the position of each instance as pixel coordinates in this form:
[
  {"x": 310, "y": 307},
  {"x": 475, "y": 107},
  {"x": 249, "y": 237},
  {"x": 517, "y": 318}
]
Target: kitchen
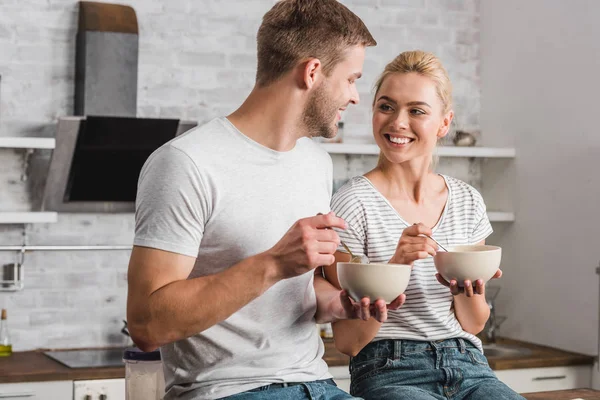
[{"x": 506, "y": 61}]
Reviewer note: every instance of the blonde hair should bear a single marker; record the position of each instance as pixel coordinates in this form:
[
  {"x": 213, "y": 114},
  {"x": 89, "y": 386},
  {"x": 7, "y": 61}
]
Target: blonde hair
[
  {"x": 427, "y": 65},
  {"x": 294, "y": 30},
  {"x": 422, "y": 63}
]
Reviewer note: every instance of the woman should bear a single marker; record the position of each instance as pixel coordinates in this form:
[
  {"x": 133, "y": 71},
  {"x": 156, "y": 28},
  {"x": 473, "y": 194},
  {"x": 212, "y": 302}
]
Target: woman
[{"x": 427, "y": 349}]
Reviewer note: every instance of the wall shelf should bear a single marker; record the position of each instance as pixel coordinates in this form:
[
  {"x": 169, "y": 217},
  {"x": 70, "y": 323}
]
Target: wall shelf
[
  {"x": 501, "y": 216},
  {"x": 27, "y": 142},
  {"x": 442, "y": 151},
  {"x": 28, "y": 217}
]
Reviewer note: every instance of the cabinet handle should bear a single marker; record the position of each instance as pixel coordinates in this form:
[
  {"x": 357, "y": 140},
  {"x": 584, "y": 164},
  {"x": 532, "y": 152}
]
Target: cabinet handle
[
  {"x": 549, "y": 378},
  {"x": 13, "y": 395}
]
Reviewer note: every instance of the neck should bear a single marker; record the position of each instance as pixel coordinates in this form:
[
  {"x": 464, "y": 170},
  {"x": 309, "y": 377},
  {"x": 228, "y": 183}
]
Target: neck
[
  {"x": 411, "y": 180},
  {"x": 272, "y": 116}
]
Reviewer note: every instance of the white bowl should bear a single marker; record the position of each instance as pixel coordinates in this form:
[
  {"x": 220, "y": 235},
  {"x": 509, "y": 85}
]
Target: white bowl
[
  {"x": 385, "y": 281},
  {"x": 468, "y": 262}
]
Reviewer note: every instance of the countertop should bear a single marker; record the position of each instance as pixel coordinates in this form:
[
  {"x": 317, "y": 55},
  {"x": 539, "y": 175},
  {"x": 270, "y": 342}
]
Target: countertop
[
  {"x": 585, "y": 394},
  {"x": 34, "y": 366}
]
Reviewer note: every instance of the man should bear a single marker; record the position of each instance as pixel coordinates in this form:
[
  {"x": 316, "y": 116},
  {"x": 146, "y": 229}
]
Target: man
[{"x": 227, "y": 232}]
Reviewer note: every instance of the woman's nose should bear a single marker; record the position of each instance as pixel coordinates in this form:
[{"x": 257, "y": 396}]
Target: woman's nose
[{"x": 400, "y": 121}]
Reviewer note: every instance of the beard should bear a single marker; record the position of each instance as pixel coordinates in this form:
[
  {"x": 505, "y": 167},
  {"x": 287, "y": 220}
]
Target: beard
[{"x": 319, "y": 114}]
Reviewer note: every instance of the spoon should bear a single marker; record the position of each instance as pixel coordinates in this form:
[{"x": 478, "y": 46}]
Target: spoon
[
  {"x": 361, "y": 259},
  {"x": 438, "y": 243}
]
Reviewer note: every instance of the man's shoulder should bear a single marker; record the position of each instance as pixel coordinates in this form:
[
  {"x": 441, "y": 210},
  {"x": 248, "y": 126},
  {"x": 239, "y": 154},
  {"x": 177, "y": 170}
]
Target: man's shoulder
[{"x": 200, "y": 136}]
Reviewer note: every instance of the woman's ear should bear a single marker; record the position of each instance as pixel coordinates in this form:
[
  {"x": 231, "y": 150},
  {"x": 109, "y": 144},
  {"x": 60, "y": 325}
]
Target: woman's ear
[{"x": 443, "y": 131}]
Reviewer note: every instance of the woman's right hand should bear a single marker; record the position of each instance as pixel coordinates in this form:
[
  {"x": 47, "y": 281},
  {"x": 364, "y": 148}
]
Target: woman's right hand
[{"x": 413, "y": 246}]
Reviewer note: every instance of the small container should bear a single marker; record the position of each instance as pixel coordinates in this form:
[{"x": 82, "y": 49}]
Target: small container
[{"x": 144, "y": 377}]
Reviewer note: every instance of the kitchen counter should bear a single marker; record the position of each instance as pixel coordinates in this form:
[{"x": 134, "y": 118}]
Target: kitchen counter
[
  {"x": 34, "y": 366},
  {"x": 585, "y": 394},
  {"x": 540, "y": 357}
]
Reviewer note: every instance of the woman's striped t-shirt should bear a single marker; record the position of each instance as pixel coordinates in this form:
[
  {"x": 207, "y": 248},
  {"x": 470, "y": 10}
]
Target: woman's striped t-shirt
[{"x": 374, "y": 229}]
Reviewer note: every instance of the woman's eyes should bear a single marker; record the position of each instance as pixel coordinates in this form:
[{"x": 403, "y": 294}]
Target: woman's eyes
[{"x": 414, "y": 111}]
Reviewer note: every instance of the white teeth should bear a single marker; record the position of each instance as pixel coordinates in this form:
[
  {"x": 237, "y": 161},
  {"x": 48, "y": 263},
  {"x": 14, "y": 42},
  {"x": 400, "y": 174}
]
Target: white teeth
[{"x": 400, "y": 140}]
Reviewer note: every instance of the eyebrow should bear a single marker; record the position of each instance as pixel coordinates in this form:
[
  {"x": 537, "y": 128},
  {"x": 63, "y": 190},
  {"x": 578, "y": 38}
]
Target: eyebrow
[{"x": 412, "y": 103}]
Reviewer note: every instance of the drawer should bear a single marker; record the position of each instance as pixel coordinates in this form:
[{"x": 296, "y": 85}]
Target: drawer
[
  {"x": 545, "y": 379},
  {"x": 53, "y": 390}
]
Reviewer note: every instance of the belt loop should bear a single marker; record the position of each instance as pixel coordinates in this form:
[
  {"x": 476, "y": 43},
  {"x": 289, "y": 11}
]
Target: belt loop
[
  {"x": 397, "y": 349},
  {"x": 463, "y": 346}
]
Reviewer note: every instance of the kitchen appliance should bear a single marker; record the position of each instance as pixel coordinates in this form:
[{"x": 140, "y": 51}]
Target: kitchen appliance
[
  {"x": 88, "y": 358},
  {"x": 100, "y": 151}
]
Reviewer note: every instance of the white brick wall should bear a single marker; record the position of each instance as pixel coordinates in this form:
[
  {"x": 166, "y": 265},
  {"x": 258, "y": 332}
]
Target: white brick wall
[{"x": 196, "y": 61}]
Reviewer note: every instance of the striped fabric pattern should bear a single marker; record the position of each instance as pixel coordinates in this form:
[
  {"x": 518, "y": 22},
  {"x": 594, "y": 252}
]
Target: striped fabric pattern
[{"x": 374, "y": 228}]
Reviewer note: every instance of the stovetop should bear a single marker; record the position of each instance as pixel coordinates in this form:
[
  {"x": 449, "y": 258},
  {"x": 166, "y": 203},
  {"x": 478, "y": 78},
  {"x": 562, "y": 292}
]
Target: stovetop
[{"x": 88, "y": 358}]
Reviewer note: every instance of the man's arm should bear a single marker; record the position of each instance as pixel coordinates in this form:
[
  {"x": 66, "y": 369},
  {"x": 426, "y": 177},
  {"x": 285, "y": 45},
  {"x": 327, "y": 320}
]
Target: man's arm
[{"x": 164, "y": 306}]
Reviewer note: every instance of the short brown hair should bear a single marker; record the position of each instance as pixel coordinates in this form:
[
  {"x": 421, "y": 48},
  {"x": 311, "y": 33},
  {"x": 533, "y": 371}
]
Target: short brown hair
[{"x": 294, "y": 30}]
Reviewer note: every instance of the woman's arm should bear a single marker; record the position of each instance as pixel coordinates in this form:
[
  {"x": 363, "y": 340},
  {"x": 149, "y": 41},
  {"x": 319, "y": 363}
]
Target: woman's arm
[
  {"x": 350, "y": 336},
  {"x": 470, "y": 306}
]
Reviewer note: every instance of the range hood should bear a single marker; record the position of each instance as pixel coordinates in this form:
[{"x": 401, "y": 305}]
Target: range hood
[{"x": 101, "y": 149}]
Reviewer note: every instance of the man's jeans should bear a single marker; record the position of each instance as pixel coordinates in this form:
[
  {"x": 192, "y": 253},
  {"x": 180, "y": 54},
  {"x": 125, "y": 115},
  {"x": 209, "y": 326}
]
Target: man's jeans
[
  {"x": 316, "y": 390},
  {"x": 415, "y": 370}
]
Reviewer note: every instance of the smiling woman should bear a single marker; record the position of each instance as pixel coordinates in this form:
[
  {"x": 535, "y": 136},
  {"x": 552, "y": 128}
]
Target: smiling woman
[
  {"x": 413, "y": 94},
  {"x": 396, "y": 214}
]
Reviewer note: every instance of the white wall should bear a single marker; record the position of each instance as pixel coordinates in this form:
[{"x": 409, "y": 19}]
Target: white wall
[
  {"x": 197, "y": 61},
  {"x": 540, "y": 63}
]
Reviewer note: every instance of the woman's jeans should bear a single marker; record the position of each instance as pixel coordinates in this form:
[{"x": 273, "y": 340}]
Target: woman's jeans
[{"x": 408, "y": 369}]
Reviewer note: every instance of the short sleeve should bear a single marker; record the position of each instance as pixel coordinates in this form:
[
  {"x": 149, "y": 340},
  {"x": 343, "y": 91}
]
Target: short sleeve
[
  {"x": 482, "y": 227},
  {"x": 172, "y": 203},
  {"x": 347, "y": 206}
]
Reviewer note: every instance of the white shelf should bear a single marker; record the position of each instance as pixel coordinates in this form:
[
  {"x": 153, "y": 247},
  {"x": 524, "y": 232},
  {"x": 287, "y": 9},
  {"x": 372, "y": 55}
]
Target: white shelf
[
  {"x": 25, "y": 217},
  {"x": 27, "y": 142},
  {"x": 501, "y": 216},
  {"x": 442, "y": 151}
]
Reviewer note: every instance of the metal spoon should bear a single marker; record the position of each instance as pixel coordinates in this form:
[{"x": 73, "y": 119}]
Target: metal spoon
[
  {"x": 438, "y": 243},
  {"x": 361, "y": 259}
]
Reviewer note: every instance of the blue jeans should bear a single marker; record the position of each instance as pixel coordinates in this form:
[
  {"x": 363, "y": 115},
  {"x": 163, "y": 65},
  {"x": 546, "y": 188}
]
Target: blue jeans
[
  {"x": 415, "y": 370},
  {"x": 315, "y": 390}
]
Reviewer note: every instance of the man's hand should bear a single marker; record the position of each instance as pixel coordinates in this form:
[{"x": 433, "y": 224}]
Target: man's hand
[
  {"x": 349, "y": 309},
  {"x": 307, "y": 245}
]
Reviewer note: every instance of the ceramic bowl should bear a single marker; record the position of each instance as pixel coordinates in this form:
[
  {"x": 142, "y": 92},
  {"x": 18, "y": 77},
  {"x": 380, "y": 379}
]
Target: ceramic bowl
[
  {"x": 468, "y": 262},
  {"x": 386, "y": 281}
]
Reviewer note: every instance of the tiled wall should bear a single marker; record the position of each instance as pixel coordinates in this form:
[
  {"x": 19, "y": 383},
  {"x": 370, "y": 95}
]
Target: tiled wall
[{"x": 196, "y": 61}]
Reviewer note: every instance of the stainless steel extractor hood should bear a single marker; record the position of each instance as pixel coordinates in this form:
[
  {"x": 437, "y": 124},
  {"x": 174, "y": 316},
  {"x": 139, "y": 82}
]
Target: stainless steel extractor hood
[{"x": 100, "y": 151}]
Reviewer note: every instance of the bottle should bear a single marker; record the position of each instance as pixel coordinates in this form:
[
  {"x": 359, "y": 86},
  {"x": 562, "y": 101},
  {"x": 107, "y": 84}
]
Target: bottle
[{"x": 5, "y": 345}]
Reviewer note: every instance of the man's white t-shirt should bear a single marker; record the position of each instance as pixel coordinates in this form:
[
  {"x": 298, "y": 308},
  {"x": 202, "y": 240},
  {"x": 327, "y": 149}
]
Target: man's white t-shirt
[{"x": 215, "y": 194}]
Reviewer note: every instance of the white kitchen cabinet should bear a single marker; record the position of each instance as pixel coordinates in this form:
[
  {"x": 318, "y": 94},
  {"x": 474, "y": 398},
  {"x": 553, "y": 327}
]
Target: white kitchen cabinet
[
  {"x": 341, "y": 376},
  {"x": 112, "y": 389},
  {"x": 52, "y": 390},
  {"x": 545, "y": 379}
]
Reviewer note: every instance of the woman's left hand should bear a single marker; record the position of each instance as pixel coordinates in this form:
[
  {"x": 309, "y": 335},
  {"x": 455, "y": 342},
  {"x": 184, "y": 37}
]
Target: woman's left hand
[{"x": 469, "y": 288}]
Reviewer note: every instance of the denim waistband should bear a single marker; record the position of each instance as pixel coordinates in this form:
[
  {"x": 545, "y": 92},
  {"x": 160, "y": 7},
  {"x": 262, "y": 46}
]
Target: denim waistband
[
  {"x": 288, "y": 384},
  {"x": 395, "y": 348}
]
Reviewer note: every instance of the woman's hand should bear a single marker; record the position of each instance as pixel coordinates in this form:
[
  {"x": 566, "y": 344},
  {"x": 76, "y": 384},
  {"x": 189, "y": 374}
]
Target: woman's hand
[
  {"x": 469, "y": 288},
  {"x": 413, "y": 246}
]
